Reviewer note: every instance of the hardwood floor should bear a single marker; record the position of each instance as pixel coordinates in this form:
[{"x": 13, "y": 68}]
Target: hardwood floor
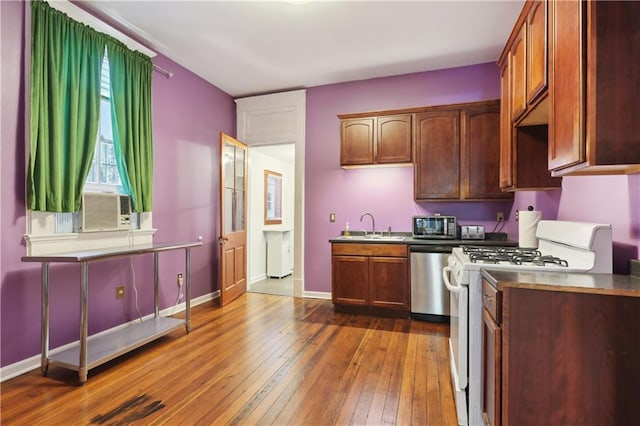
[{"x": 262, "y": 359}]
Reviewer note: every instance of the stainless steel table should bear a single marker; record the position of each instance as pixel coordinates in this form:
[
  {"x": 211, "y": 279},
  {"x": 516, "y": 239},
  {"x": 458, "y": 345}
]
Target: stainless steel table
[{"x": 107, "y": 346}]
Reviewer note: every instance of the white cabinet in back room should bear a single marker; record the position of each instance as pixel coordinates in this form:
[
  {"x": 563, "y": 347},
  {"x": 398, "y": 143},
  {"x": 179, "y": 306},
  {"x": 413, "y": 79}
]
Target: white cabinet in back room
[{"x": 278, "y": 253}]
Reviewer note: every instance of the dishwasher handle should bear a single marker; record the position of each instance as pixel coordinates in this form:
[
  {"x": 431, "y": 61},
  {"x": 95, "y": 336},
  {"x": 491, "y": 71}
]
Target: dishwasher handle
[
  {"x": 431, "y": 248},
  {"x": 446, "y": 273}
]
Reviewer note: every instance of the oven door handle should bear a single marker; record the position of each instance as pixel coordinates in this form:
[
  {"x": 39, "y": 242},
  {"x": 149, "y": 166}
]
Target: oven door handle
[{"x": 446, "y": 273}]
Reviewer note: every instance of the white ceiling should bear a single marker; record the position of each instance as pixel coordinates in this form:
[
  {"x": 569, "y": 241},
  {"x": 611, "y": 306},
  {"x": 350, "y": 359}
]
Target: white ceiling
[{"x": 255, "y": 47}]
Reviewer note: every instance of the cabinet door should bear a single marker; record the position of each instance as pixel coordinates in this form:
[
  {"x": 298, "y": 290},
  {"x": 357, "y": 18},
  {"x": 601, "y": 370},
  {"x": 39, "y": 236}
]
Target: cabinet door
[
  {"x": 437, "y": 160},
  {"x": 356, "y": 146},
  {"x": 480, "y": 158},
  {"x": 393, "y": 143},
  {"x": 567, "y": 85},
  {"x": 536, "y": 50},
  {"x": 350, "y": 280},
  {"x": 506, "y": 128},
  {"x": 517, "y": 68},
  {"x": 491, "y": 370},
  {"x": 389, "y": 282}
]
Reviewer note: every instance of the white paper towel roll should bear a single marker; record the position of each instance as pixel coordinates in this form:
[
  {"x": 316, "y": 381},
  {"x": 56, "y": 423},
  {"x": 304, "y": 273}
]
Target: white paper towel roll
[{"x": 527, "y": 225}]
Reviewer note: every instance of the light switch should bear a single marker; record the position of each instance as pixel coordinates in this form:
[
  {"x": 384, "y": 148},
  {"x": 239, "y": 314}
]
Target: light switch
[{"x": 332, "y": 217}]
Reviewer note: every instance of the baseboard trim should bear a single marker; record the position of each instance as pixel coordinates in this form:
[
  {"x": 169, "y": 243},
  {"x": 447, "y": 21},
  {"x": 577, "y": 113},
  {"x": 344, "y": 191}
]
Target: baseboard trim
[
  {"x": 317, "y": 295},
  {"x": 24, "y": 366}
]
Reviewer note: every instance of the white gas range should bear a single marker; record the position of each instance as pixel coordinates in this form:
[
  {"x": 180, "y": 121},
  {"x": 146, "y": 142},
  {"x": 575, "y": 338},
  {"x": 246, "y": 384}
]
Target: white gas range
[{"x": 563, "y": 246}]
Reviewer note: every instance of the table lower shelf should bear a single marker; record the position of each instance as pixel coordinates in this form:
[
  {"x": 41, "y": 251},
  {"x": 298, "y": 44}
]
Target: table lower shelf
[{"x": 110, "y": 345}]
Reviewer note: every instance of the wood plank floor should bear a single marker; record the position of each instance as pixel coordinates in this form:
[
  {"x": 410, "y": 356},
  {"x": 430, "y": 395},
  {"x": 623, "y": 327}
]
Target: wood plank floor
[{"x": 263, "y": 359}]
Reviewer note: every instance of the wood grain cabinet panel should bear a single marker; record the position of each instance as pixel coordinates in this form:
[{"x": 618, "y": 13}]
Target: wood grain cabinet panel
[
  {"x": 437, "y": 149},
  {"x": 480, "y": 153},
  {"x": 393, "y": 144},
  {"x": 386, "y": 287},
  {"x": 350, "y": 280},
  {"x": 491, "y": 370},
  {"x": 594, "y": 84},
  {"x": 385, "y": 139},
  {"x": 524, "y": 95},
  {"x": 560, "y": 357},
  {"x": 371, "y": 278},
  {"x": 357, "y": 137},
  {"x": 537, "y": 50},
  {"x": 457, "y": 153},
  {"x": 517, "y": 68}
]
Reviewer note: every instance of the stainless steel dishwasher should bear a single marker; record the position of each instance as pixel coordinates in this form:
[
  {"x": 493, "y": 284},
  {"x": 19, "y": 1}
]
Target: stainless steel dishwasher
[{"x": 429, "y": 296}]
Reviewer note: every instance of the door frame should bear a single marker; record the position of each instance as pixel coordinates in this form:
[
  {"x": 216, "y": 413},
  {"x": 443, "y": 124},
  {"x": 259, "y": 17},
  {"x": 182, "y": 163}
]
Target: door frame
[{"x": 274, "y": 119}]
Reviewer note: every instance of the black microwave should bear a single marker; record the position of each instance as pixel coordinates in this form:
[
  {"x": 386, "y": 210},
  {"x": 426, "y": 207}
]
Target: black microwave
[{"x": 440, "y": 227}]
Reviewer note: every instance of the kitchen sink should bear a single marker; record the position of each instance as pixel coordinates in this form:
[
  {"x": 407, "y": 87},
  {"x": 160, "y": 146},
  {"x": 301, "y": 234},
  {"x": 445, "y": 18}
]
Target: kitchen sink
[
  {"x": 384, "y": 237},
  {"x": 376, "y": 237}
]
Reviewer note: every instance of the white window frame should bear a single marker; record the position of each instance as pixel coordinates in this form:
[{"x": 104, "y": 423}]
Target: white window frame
[{"x": 41, "y": 238}]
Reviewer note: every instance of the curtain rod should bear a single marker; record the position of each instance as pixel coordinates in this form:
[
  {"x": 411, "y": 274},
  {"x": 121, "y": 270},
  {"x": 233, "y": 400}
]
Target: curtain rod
[{"x": 161, "y": 70}]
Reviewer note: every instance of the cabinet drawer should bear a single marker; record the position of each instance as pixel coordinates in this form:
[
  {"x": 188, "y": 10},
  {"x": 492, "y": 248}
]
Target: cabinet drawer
[
  {"x": 348, "y": 249},
  {"x": 492, "y": 300}
]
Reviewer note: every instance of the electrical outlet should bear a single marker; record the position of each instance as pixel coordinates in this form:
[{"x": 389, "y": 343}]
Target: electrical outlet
[
  {"x": 179, "y": 280},
  {"x": 500, "y": 216},
  {"x": 120, "y": 292}
]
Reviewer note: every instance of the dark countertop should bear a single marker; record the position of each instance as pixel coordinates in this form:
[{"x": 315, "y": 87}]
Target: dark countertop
[
  {"x": 607, "y": 284},
  {"x": 358, "y": 238}
]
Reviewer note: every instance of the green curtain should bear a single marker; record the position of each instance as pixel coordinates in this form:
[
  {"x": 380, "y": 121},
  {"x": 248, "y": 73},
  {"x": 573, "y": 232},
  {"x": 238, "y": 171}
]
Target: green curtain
[
  {"x": 66, "y": 58},
  {"x": 131, "y": 121}
]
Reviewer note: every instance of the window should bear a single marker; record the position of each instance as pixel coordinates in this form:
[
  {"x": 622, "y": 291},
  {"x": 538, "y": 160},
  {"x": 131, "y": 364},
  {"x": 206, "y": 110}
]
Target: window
[
  {"x": 104, "y": 175},
  {"x": 49, "y": 232}
]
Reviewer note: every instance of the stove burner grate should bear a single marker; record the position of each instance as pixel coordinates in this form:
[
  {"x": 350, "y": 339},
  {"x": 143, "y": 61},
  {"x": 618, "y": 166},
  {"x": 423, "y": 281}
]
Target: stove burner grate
[{"x": 513, "y": 255}]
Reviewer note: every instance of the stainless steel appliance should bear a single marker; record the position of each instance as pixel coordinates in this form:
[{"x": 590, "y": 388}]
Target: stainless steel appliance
[
  {"x": 436, "y": 226},
  {"x": 472, "y": 232},
  {"x": 429, "y": 296},
  {"x": 563, "y": 246}
]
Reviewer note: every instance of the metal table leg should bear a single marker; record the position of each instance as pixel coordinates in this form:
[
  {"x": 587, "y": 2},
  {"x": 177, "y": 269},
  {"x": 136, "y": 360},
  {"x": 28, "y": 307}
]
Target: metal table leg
[
  {"x": 187, "y": 320},
  {"x": 84, "y": 316},
  {"x": 156, "y": 263},
  {"x": 44, "y": 361}
]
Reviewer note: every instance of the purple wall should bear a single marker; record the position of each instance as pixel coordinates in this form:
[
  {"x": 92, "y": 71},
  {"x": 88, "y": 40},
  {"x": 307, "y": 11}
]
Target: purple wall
[
  {"x": 385, "y": 192},
  {"x": 606, "y": 199},
  {"x": 188, "y": 115}
]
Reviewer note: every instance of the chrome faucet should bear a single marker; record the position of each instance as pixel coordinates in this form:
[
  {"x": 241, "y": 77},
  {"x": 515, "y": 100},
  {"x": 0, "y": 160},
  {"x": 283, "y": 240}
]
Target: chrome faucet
[{"x": 373, "y": 221}]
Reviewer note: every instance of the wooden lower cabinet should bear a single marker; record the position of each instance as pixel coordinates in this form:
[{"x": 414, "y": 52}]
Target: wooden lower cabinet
[
  {"x": 370, "y": 278},
  {"x": 491, "y": 370},
  {"x": 560, "y": 358}
]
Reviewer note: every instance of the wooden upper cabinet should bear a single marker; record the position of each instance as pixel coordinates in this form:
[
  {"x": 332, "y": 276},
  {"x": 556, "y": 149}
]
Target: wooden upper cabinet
[
  {"x": 437, "y": 155},
  {"x": 457, "y": 153},
  {"x": 376, "y": 140},
  {"x": 357, "y": 141},
  {"x": 480, "y": 152},
  {"x": 393, "y": 143},
  {"x": 536, "y": 50},
  {"x": 524, "y": 86},
  {"x": 594, "y": 83},
  {"x": 517, "y": 69},
  {"x": 506, "y": 128},
  {"x": 526, "y": 55},
  {"x": 566, "y": 146}
]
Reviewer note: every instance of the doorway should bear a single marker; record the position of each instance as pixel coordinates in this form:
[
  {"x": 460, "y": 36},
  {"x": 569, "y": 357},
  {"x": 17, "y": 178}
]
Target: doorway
[{"x": 271, "y": 245}]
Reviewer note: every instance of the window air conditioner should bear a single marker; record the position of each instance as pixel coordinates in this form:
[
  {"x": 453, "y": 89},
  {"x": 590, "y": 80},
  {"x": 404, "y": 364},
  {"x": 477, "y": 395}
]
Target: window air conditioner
[{"x": 105, "y": 212}]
